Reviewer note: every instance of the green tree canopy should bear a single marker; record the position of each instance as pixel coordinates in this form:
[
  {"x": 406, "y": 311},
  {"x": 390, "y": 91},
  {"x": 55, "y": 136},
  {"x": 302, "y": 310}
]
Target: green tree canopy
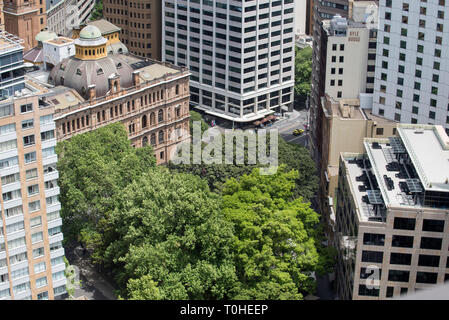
[
  {"x": 303, "y": 72},
  {"x": 93, "y": 168},
  {"x": 274, "y": 243},
  {"x": 294, "y": 156},
  {"x": 170, "y": 236}
]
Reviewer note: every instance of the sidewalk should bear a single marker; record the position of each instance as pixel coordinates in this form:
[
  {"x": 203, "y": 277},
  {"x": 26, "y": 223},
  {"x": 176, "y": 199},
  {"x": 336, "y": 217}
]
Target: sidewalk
[{"x": 94, "y": 286}]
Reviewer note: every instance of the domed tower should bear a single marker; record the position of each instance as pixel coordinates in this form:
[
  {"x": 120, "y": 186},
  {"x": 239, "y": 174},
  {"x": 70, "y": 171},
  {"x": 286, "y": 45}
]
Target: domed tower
[
  {"x": 91, "y": 71},
  {"x": 90, "y": 45}
]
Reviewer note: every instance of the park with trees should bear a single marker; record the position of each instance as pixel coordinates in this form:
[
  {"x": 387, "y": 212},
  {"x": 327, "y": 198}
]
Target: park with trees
[{"x": 191, "y": 231}]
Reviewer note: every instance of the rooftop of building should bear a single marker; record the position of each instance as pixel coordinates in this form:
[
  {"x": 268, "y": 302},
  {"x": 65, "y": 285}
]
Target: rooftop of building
[
  {"x": 408, "y": 170},
  {"x": 9, "y": 42},
  {"x": 104, "y": 26},
  {"x": 60, "y": 41}
]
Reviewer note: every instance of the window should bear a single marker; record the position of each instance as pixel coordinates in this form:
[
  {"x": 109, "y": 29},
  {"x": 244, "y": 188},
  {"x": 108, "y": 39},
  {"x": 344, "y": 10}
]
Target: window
[
  {"x": 428, "y": 260},
  {"x": 400, "y": 258},
  {"x": 431, "y": 243},
  {"x": 36, "y": 237},
  {"x": 27, "y": 124},
  {"x": 379, "y": 131},
  {"x": 39, "y": 252},
  {"x": 47, "y": 135},
  {"x": 26, "y": 108},
  {"x": 404, "y": 223},
  {"x": 28, "y": 140},
  {"x": 42, "y": 296},
  {"x": 390, "y": 291},
  {"x": 372, "y": 256},
  {"x": 398, "y": 275},
  {"x": 31, "y": 173},
  {"x": 8, "y": 145},
  {"x": 58, "y": 275},
  {"x": 402, "y": 241},
  {"x": 32, "y": 190},
  {"x": 34, "y": 205},
  {"x": 35, "y": 222},
  {"x": 39, "y": 267},
  {"x": 41, "y": 282},
  {"x": 374, "y": 239},
  {"x": 433, "y": 225},
  {"x": 426, "y": 277},
  {"x": 364, "y": 291},
  {"x": 19, "y": 273},
  {"x": 11, "y": 178}
]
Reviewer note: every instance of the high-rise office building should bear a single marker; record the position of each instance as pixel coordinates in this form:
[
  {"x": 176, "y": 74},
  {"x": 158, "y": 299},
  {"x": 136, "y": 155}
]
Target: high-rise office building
[
  {"x": 392, "y": 215},
  {"x": 31, "y": 252},
  {"x": 140, "y": 24},
  {"x": 240, "y": 54},
  {"x": 25, "y": 19},
  {"x": 412, "y": 68}
]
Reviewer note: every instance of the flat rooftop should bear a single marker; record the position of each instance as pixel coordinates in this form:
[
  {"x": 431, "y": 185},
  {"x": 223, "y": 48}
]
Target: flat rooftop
[
  {"x": 9, "y": 42},
  {"x": 400, "y": 171},
  {"x": 428, "y": 147}
]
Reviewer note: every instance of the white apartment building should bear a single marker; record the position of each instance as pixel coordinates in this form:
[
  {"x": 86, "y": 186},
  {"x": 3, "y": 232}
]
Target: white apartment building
[
  {"x": 392, "y": 215},
  {"x": 412, "y": 68},
  {"x": 31, "y": 252},
  {"x": 240, "y": 54}
]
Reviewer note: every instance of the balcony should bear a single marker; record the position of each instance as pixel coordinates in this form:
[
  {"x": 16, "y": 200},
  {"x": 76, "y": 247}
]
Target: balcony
[
  {"x": 52, "y": 192},
  {"x": 57, "y": 253}
]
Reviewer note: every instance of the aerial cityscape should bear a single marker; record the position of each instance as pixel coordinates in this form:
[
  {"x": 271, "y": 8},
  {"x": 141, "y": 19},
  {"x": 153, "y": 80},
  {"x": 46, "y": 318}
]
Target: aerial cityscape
[{"x": 224, "y": 150}]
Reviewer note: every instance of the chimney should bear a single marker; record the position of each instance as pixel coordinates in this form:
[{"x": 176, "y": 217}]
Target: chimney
[
  {"x": 114, "y": 83},
  {"x": 136, "y": 78},
  {"x": 91, "y": 92}
]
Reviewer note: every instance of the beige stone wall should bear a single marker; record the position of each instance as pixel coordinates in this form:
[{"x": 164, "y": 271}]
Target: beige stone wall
[{"x": 139, "y": 112}]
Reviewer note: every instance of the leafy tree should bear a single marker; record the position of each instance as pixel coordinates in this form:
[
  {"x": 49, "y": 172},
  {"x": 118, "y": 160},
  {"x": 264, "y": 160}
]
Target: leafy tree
[
  {"x": 303, "y": 72},
  {"x": 294, "y": 156},
  {"x": 97, "y": 12},
  {"x": 274, "y": 245},
  {"x": 196, "y": 116},
  {"x": 93, "y": 168},
  {"x": 171, "y": 242}
]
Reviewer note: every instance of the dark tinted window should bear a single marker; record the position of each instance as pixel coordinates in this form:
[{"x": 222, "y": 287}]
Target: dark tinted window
[
  {"x": 390, "y": 291},
  {"x": 372, "y": 256},
  {"x": 402, "y": 241},
  {"x": 426, "y": 277},
  {"x": 428, "y": 261},
  {"x": 398, "y": 275},
  {"x": 400, "y": 258},
  {"x": 431, "y": 243},
  {"x": 404, "y": 223},
  {"x": 374, "y": 239},
  {"x": 433, "y": 225},
  {"x": 364, "y": 291}
]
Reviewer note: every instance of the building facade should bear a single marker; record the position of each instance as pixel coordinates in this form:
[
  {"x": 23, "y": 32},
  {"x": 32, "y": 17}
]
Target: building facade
[
  {"x": 240, "y": 54},
  {"x": 25, "y": 19},
  {"x": 149, "y": 97},
  {"x": 412, "y": 70},
  {"x": 140, "y": 24},
  {"x": 11, "y": 52},
  {"x": 392, "y": 221},
  {"x": 31, "y": 252}
]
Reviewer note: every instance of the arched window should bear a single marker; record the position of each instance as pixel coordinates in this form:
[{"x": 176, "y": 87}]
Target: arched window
[
  {"x": 153, "y": 139},
  {"x": 144, "y": 141},
  {"x": 160, "y": 116},
  {"x": 144, "y": 121},
  {"x": 161, "y": 136},
  {"x": 152, "y": 119}
]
